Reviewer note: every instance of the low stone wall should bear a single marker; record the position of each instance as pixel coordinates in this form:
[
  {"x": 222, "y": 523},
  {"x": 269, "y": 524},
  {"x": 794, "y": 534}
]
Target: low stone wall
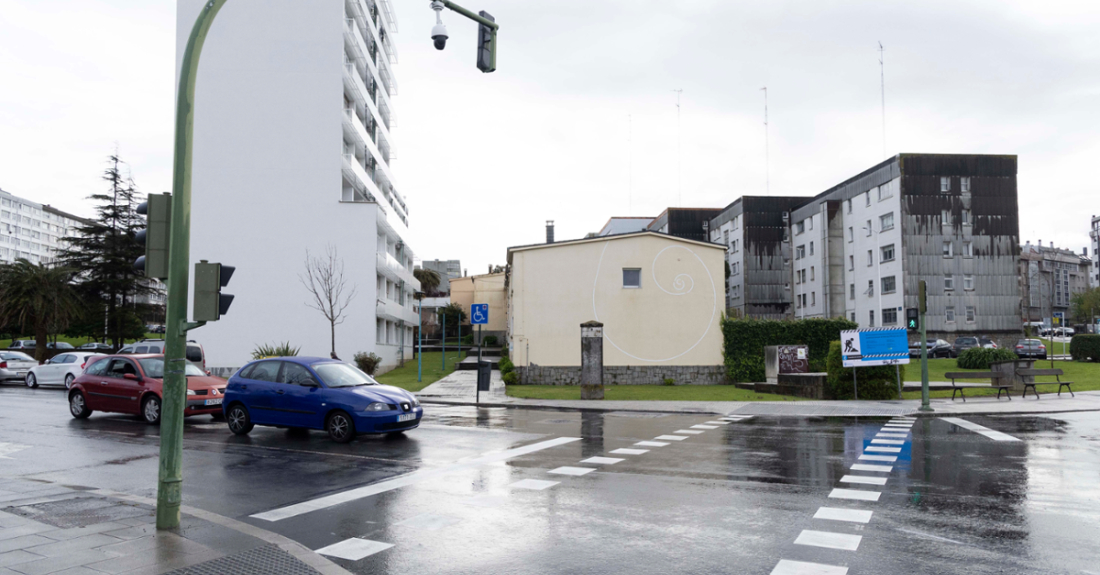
[{"x": 625, "y": 374}]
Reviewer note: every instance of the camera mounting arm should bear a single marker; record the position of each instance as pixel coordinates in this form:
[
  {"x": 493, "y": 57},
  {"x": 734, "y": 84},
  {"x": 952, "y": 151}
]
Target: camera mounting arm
[
  {"x": 439, "y": 5},
  {"x": 486, "y": 35}
]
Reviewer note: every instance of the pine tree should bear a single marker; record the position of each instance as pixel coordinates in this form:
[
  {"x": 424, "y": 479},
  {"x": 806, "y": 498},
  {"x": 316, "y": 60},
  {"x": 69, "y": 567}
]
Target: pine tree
[{"x": 103, "y": 254}]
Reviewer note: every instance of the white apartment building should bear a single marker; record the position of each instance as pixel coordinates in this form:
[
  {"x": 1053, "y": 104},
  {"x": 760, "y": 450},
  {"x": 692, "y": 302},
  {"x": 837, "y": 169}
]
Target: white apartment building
[
  {"x": 1094, "y": 233},
  {"x": 33, "y": 231},
  {"x": 292, "y": 156}
]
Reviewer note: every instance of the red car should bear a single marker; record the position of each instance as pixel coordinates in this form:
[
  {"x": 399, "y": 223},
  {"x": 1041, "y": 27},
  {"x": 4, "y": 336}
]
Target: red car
[{"x": 132, "y": 384}]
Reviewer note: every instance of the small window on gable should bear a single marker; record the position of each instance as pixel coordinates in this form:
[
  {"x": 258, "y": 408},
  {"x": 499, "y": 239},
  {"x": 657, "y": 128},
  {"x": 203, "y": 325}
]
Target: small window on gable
[
  {"x": 632, "y": 277},
  {"x": 945, "y": 185},
  {"x": 965, "y": 184}
]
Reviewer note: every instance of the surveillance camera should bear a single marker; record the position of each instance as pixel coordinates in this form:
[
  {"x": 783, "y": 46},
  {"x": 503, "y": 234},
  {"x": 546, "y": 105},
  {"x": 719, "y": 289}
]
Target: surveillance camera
[{"x": 439, "y": 36}]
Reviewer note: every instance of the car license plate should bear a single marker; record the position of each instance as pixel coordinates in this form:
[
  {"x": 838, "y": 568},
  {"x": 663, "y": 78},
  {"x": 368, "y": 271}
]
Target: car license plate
[
  {"x": 406, "y": 417},
  {"x": 214, "y": 401}
]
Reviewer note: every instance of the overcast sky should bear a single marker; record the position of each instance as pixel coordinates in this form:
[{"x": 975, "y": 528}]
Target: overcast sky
[{"x": 579, "y": 122}]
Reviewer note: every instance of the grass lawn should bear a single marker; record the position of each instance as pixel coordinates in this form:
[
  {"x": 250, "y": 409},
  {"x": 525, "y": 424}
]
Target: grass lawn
[
  {"x": 1085, "y": 377},
  {"x": 76, "y": 341},
  {"x": 648, "y": 392},
  {"x": 405, "y": 377}
]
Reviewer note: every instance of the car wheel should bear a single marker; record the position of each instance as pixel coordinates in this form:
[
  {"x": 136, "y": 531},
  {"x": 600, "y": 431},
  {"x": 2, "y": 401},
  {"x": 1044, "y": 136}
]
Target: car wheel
[
  {"x": 69, "y": 381},
  {"x": 32, "y": 381},
  {"x": 239, "y": 421},
  {"x": 77, "y": 406},
  {"x": 150, "y": 410},
  {"x": 340, "y": 427}
]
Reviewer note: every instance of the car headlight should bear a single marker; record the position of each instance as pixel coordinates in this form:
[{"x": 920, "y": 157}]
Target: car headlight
[
  {"x": 416, "y": 402},
  {"x": 190, "y": 392},
  {"x": 377, "y": 406}
]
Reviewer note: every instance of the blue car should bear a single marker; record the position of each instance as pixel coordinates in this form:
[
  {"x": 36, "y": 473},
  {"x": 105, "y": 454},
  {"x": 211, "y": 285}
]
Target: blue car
[{"x": 316, "y": 393}]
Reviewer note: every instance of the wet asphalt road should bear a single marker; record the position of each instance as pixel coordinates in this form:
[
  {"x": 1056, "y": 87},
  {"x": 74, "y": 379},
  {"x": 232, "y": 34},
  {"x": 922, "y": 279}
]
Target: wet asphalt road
[{"x": 732, "y": 499}]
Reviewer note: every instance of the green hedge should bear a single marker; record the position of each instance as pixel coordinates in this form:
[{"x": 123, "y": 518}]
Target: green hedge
[
  {"x": 879, "y": 382},
  {"x": 981, "y": 357},
  {"x": 745, "y": 339},
  {"x": 1085, "y": 347}
]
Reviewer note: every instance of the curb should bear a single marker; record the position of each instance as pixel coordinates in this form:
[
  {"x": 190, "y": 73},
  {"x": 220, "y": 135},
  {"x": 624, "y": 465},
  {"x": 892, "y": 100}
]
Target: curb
[{"x": 562, "y": 407}]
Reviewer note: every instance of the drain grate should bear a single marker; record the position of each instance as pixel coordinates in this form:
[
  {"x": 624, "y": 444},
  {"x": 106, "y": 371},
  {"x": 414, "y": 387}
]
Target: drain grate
[
  {"x": 80, "y": 511},
  {"x": 264, "y": 560}
]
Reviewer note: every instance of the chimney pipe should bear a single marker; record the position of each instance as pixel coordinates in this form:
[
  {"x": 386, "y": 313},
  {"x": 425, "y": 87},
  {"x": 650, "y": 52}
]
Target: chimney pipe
[{"x": 549, "y": 231}]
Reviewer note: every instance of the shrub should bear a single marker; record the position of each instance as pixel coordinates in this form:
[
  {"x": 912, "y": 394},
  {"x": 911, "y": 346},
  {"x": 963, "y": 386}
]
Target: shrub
[
  {"x": 504, "y": 351},
  {"x": 670, "y": 381},
  {"x": 368, "y": 362},
  {"x": 274, "y": 350},
  {"x": 490, "y": 340},
  {"x": 879, "y": 382},
  {"x": 1085, "y": 347},
  {"x": 510, "y": 378},
  {"x": 468, "y": 339},
  {"x": 981, "y": 357},
  {"x": 744, "y": 341},
  {"x": 506, "y": 366}
]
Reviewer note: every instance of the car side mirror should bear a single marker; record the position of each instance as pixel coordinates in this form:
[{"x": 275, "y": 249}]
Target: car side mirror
[
  {"x": 311, "y": 383},
  {"x": 131, "y": 376},
  {"x": 47, "y": 362}
]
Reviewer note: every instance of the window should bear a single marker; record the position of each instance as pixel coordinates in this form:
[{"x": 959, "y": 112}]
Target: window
[
  {"x": 971, "y": 314},
  {"x": 968, "y": 282},
  {"x": 886, "y": 222},
  {"x": 99, "y": 367},
  {"x": 811, "y": 273},
  {"x": 851, "y": 263},
  {"x": 870, "y": 288},
  {"x": 799, "y": 228},
  {"x": 733, "y": 246},
  {"x": 945, "y": 185},
  {"x": 945, "y": 217},
  {"x": 811, "y": 248},
  {"x": 950, "y": 314},
  {"x": 726, "y": 237},
  {"x": 849, "y": 205},
  {"x": 964, "y": 217},
  {"x": 871, "y": 316},
  {"x": 890, "y": 316},
  {"x": 813, "y": 298},
  {"x": 948, "y": 282},
  {"x": 968, "y": 249},
  {"x": 736, "y": 292},
  {"x": 295, "y": 374},
  {"x": 851, "y": 234},
  {"x": 809, "y": 223},
  {"x": 869, "y": 228},
  {"x": 888, "y": 253},
  {"x": 870, "y": 257},
  {"x": 852, "y": 292},
  {"x": 868, "y": 194},
  {"x": 948, "y": 250},
  {"x": 889, "y": 284},
  {"x": 735, "y": 268},
  {"x": 800, "y": 252},
  {"x": 632, "y": 278},
  {"x": 965, "y": 184}
]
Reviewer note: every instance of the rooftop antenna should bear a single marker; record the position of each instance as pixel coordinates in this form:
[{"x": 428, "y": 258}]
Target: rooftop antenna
[
  {"x": 767, "y": 161},
  {"x": 882, "y": 78},
  {"x": 678, "y": 196}
]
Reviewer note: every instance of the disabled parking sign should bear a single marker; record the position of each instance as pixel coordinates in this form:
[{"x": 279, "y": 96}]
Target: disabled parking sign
[{"x": 479, "y": 314}]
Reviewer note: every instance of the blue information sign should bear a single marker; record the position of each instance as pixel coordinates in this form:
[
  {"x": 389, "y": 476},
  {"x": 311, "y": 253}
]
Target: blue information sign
[
  {"x": 479, "y": 313},
  {"x": 882, "y": 346}
]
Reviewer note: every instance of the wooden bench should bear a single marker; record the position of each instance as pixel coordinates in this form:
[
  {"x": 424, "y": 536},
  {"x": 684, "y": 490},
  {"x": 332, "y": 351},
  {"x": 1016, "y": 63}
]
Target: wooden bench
[
  {"x": 1057, "y": 373},
  {"x": 975, "y": 375}
]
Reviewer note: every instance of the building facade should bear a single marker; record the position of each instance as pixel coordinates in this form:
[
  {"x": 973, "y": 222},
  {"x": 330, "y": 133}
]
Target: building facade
[
  {"x": 862, "y": 247},
  {"x": 292, "y": 160},
  {"x": 33, "y": 231},
  {"x": 756, "y": 233},
  {"x": 687, "y": 223},
  {"x": 447, "y": 270},
  {"x": 1094, "y": 233},
  {"x": 624, "y": 225},
  {"x": 1049, "y": 277},
  {"x": 487, "y": 289}
]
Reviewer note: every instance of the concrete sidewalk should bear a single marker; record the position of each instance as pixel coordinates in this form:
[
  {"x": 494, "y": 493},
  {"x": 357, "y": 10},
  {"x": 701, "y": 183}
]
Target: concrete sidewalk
[
  {"x": 458, "y": 389},
  {"x": 47, "y": 528}
]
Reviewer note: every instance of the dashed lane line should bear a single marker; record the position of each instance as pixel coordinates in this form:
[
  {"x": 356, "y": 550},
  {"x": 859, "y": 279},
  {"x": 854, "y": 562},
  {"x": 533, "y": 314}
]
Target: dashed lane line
[
  {"x": 718, "y": 422},
  {"x": 603, "y": 460},
  {"x": 888, "y": 441},
  {"x": 652, "y": 443},
  {"x": 881, "y": 449},
  {"x": 533, "y": 484},
  {"x": 842, "y": 514},
  {"x": 671, "y": 437},
  {"x": 829, "y": 540},
  {"x": 688, "y": 431},
  {"x": 628, "y": 451},
  {"x": 787, "y": 567},
  {"x": 866, "y": 467},
  {"x": 886, "y": 458},
  {"x": 980, "y": 429},
  {"x": 702, "y": 426},
  {"x": 575, "y": 471}
]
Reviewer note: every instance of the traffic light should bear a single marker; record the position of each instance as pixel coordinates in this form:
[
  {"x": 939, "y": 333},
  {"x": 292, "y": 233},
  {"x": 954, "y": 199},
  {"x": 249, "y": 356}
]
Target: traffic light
[
  {"x": 923, "y": 297},
  {"x": 157, "y": 209},
  {"x": 486, "y": 45},
  {"x": 210, "y": 302},
  {"x": 912, "y": 318}
]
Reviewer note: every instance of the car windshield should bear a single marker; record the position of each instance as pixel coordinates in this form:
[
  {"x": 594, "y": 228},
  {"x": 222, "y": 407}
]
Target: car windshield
[
  {"x": 154, "y": 367},
  {"x": 15, "y": 356},
  {"x": 965, "y": 340},
  {"x": 342, "y": 375}
]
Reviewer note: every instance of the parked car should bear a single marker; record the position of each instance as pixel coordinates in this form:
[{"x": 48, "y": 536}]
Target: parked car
[
  {"x": 987, "y": 343},
  {"x": 317, "y": 393},
  {"x": 61, "y": 369},
  {"x": 1031, "y": 348},
  {"x": 1064, "y": 332},
  {"x": 14, "y": 365},
  {"x": 962, "y": 344},
  {"x": 936, "y": 348},
  {"x": 133, "y": 383},
  {"x": 22, "y": 344},
  {"x": 96, "y": 346},
  {"x": 59, "y": 345},
  {"x": 195, "y": 353}
]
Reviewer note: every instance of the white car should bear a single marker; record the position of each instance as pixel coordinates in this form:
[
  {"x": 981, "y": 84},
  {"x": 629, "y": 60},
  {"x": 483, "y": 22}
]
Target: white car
[
  {"x": 14, "y": 365},
  {"x": 62, "y": 369}
]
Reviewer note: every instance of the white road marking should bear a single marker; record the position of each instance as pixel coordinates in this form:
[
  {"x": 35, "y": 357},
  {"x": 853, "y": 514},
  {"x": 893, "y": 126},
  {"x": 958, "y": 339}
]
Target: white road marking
[
  {"x": 533, "y": 484},
  {"x": 856, "y": 494},
  {"x": 888, "y": 441},
  {"x": 838, "y": 514},
  {"x": 865, "y": 467},
  {"x": 602, "y": 460},
  {"x": 354, "y": 549},
  {"x": 718, "y": 422},
  {"x": 626, "y": 451},
  {"x": 887, "y": 458},
  {"x": 572, "y": 471},
  {"x": 786, "y": 567},
  {"x": 429, "y": 522},
  {"x": 897, "y": 426},
  {"x": 688, "y": 431},
  {"x": 406, "y": 480},
  {"x": 863, "y": 479},
  {"x": 981, "y": 430},
  {"x": 829, "y": 540},
  {"x": 9, "y": 448},
  {"x": 671, "y": 437},
  {"x": 652, "y": 444},
  {"x": 701, "y": 426},
  {"x": 882, "y": 449},
  {"x": 889, "y": 435},
  {"x": 930, "y": 536}
]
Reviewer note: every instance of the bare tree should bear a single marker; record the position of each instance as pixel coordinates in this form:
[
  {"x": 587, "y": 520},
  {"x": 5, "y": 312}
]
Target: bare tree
[{"x": 324, "y": 278}]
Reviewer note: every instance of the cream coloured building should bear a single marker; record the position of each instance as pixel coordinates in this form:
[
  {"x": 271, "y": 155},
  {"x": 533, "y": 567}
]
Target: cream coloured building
[
  {"x": 485, "y": 288},
  {"x": 659, "y": 297}
]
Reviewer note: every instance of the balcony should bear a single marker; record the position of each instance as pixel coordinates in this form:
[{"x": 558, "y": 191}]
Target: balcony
[
  {"x": 357, "y": 175},
  {"x": 391, "y": 268},
  {"x": 394, "y": 311},
  {"x": 355, "y": 84}
]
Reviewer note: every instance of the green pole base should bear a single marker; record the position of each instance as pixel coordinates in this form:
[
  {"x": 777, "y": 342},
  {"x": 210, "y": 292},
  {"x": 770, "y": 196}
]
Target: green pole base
[{"x": 926, "y": 408}]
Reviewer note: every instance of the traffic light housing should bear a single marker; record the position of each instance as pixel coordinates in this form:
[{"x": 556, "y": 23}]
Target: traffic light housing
[
  {"x": 912, "y": 318},
  {"x": 157, "y": 209},
  {"x": 210, "y": 302},
  {"x": 486, "y": 45}
]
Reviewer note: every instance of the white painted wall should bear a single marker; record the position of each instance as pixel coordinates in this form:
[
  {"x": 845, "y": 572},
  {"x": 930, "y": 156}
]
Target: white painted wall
[{"x": 883, "y": 200}]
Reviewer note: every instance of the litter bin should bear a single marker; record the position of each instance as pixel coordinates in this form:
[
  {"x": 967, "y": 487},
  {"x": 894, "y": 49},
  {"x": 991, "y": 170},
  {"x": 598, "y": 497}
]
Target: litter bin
[{"x": 484, "y": 371}]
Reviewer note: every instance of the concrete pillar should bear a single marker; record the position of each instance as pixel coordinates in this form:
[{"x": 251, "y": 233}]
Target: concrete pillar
[{"x": 591, "y": 360}]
